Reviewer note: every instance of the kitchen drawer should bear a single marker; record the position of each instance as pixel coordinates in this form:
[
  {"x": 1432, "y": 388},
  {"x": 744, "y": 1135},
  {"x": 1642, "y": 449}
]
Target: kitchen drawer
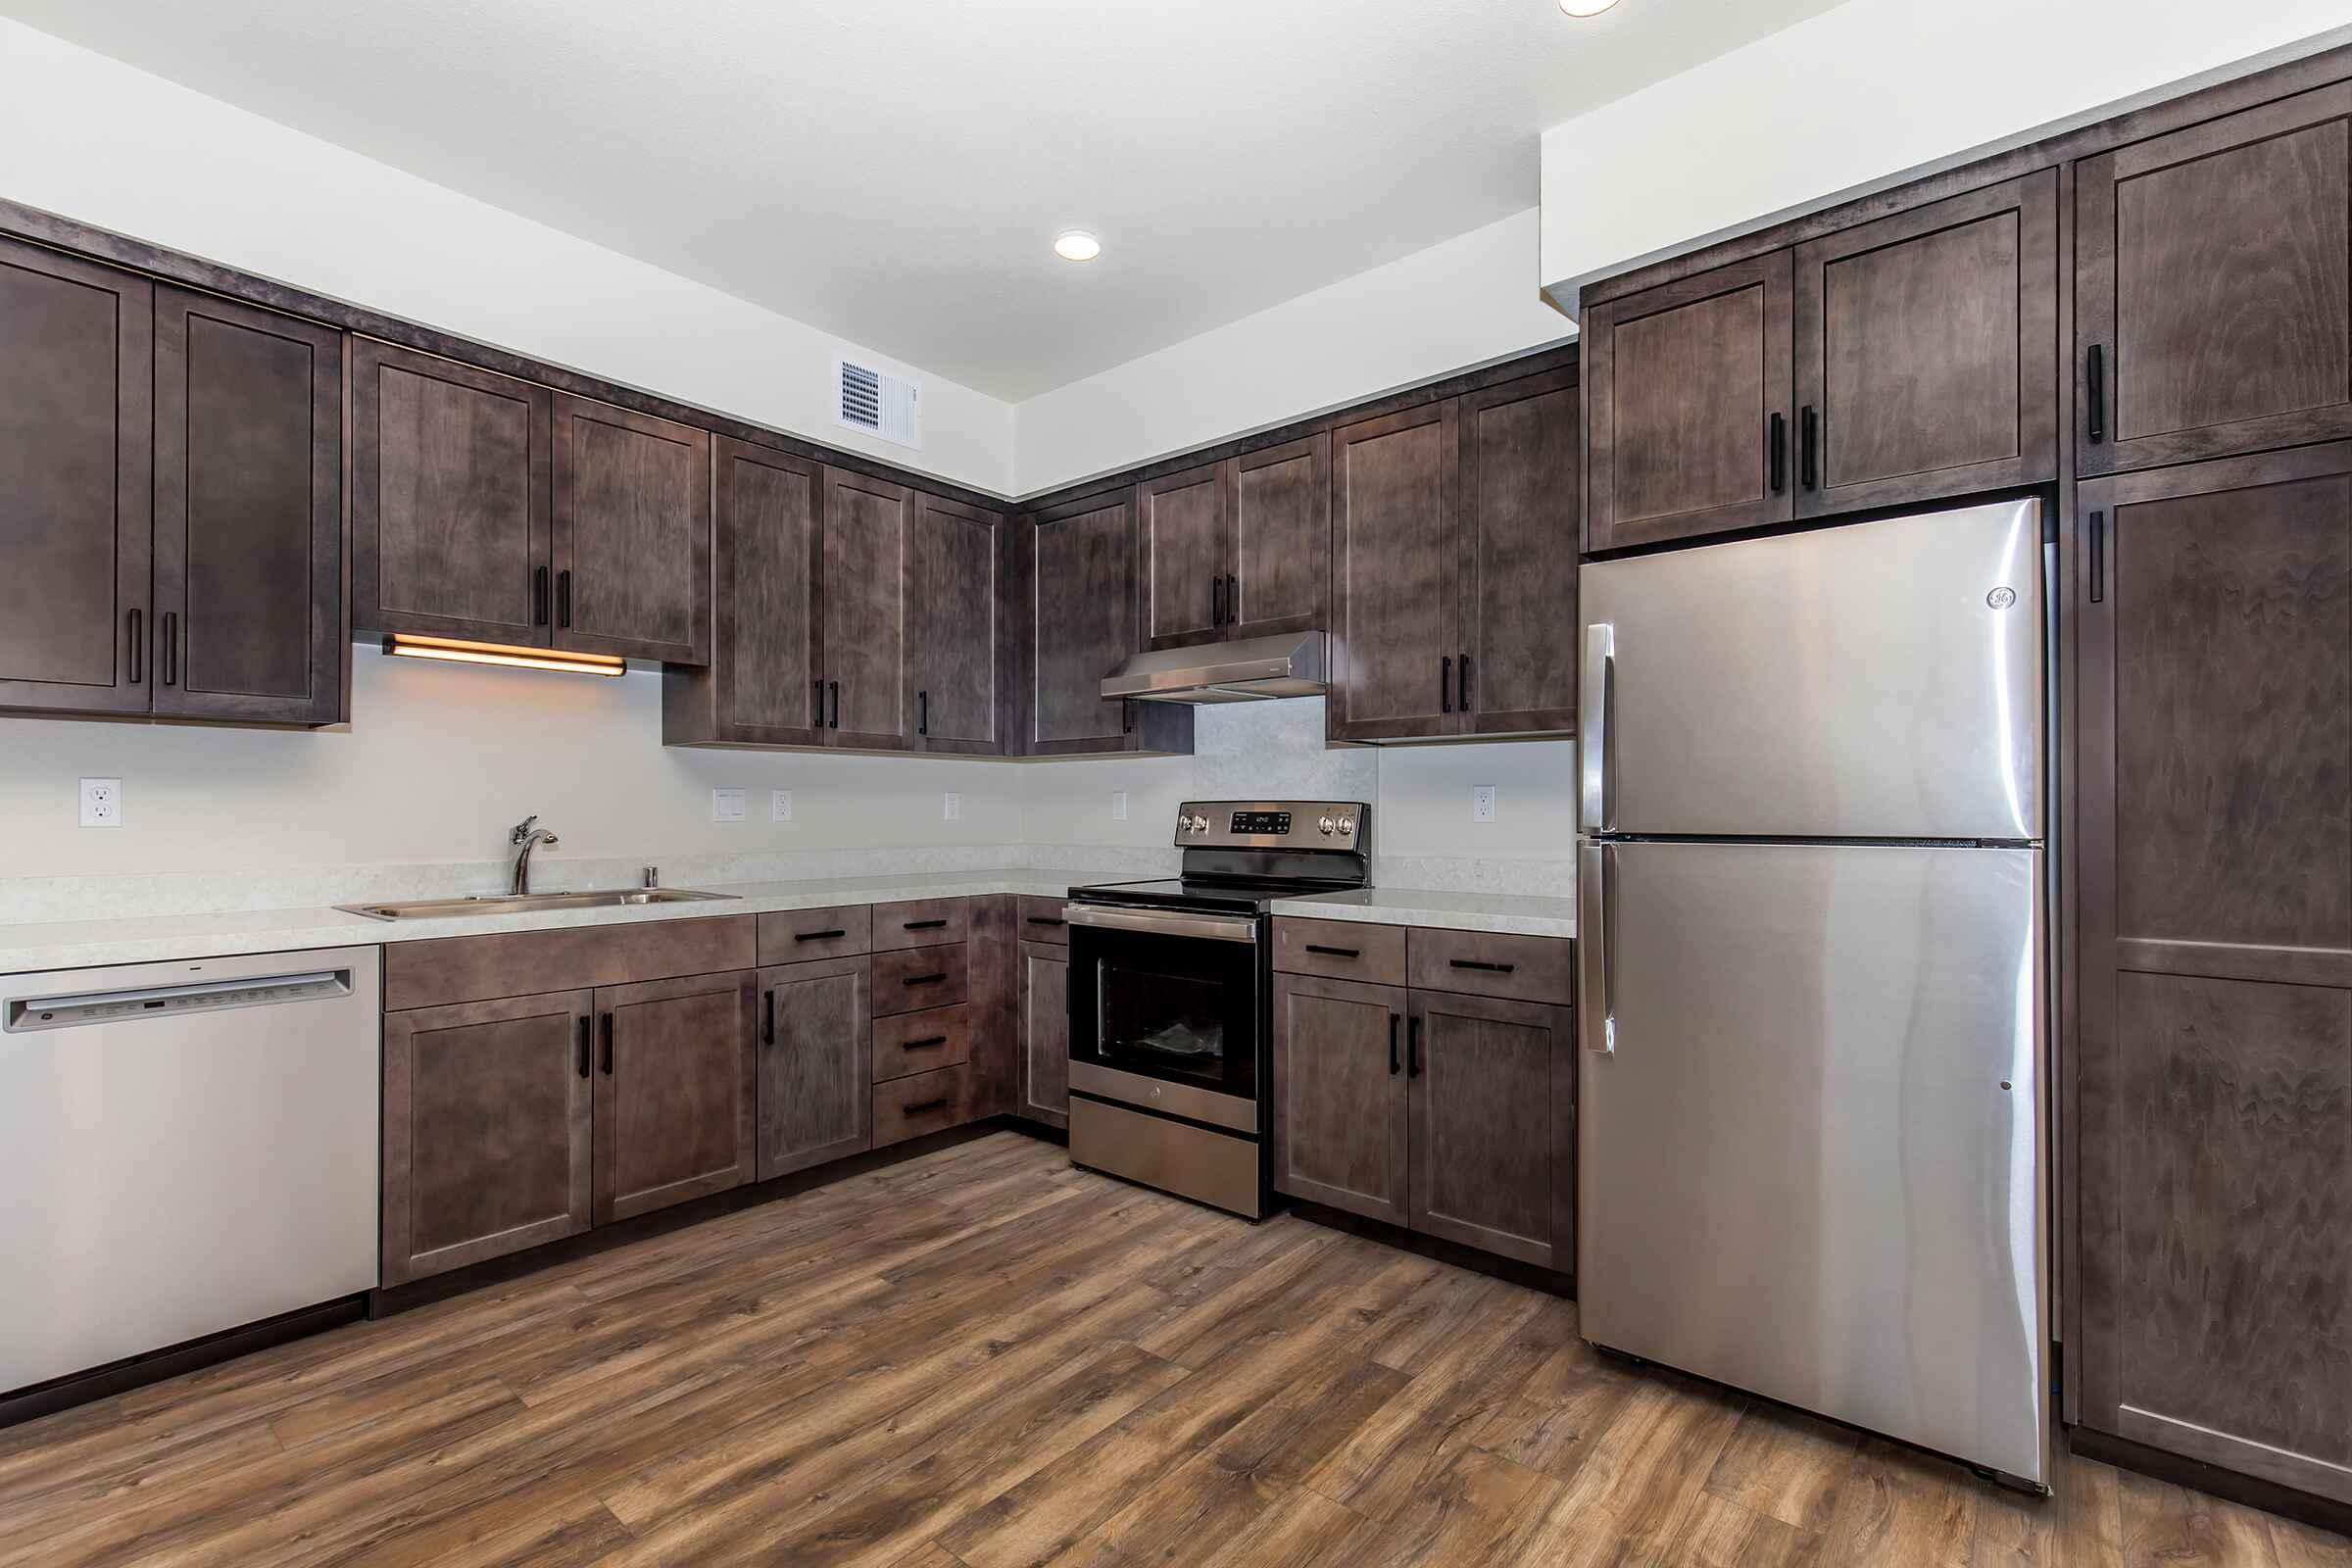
[
  {"x": 1342, "y": 949},
  {"x": 794, "y": 936},
  {"x": 1485, "y": 963},
  {"x": 921, "y": 923},
  {"x": 926, "y": 1102},
  {"x": 520, "y": 963},
  {"x": 1042, "y": 921},
  {"x": 920, "y": 1042},
  {"x": 921, "y": 977}
]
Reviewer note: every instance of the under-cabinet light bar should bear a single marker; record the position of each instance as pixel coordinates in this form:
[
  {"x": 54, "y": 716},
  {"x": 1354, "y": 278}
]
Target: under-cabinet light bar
[{"x": 457, "y": 650}]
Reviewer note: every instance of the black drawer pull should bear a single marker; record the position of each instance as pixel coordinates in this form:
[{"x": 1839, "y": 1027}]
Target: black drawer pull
[
  {"x": 1335, "y": 952},
  {"x": 2099, "y": 556},
  {"x": 768, "y": 1021},
  {"x": 922, "y": 1106},
  {"x": 818, "y": 936},
  {"x": 1046, "y": 919},
  {"x": 1394, "y": 1065},
  {"x": 924, "y": 1044},
  {"x": 583, "y": 1045},
  {"x": 1481, "y": 963},
  {"x": 2094, "y": 378},
  {"x": 922, "y": 925},
  {"x": 922, "y": 979},
  {"x": 1412, "y": 1049},
  {"x": 608, "y": 1044}
]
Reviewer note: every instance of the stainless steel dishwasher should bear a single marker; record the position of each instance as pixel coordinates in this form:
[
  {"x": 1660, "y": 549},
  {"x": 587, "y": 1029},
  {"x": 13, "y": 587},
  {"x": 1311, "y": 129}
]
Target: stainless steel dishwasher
[{"x": 184, "y": 1149}]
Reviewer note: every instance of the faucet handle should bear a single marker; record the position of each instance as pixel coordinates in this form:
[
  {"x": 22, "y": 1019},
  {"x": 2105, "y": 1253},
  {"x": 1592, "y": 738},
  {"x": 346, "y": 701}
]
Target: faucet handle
[
  {"x": 522, "y": 829},
  {"x": 652, "y": 877}
]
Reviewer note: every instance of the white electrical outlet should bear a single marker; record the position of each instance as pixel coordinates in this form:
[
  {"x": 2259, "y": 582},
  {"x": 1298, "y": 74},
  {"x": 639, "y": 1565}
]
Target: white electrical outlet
[
  {"x": 101, "y": 803},
  {"x": 1482, "y": 802},
  {"x": 950, "y": 807},
  {"x": 1118, "y": 806},
  {"x": 727, "y": 806},
  {"x": 779, "y": 805}
]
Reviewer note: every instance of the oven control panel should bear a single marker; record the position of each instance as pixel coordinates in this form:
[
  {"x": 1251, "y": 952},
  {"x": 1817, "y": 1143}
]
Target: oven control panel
[{"x": 1272, "y": 824}]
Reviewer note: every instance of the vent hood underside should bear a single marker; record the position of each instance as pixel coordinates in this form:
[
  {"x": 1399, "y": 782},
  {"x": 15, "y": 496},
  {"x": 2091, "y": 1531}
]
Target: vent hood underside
[{"x": 1256, "y": 671}]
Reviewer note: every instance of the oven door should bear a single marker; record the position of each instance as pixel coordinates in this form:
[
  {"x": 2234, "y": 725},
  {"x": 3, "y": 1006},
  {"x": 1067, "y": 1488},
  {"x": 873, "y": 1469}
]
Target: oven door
[{"x": 1166, "y": 1009}]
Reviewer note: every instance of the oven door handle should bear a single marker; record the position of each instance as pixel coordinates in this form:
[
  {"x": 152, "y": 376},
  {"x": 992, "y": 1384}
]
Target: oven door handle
[{"x": 1163, "y": 922}]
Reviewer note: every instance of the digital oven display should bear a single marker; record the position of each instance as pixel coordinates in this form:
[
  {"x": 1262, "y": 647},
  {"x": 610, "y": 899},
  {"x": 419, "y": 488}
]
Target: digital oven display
[{"x": 1276, "y": 822}]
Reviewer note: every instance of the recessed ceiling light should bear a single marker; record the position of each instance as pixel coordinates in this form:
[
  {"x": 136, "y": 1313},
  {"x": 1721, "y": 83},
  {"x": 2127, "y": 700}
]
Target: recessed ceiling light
[
  {"x": 1586, "y": 7},
  {"x": 1079, "y": 246}
]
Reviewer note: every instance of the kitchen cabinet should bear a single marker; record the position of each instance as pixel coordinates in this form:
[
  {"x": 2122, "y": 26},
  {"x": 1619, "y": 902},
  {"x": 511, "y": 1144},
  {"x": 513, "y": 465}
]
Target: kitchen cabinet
[
  {"x": 1515, "y": 642},
  {"x": 1183, "y": 523},
  {"x": 2212, "y": 270},
  {"x": 676, "y": 1092},
  {"x": 2213, "y": 606},
  {"x": 959, "y": 582},
  {"x": 488, "y": 1118},
  {"x": 631, "y": 533},
  {"x": 816, "y": 1083},
  {"x": 1077, "y": 597},
  {"x": 1340, "y": 1096},
  {"x": 1925, "y": 352},
  {"x": 925, "y": 1103},
  {"x": 764, "y": 685},
  {"x": 1044, "y": 1033},
  {"x": 1238, "y": 549},
  {"x": 1393, "y": 574},
  {"x": 1686, "y": 405},
  {"x": 1493, "y": 1126},
  {"x": 864, "y": 600}
]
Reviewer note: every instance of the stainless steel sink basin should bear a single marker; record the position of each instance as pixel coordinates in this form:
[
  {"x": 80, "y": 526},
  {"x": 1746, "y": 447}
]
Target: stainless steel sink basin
[{"x": 527, "y": 902}]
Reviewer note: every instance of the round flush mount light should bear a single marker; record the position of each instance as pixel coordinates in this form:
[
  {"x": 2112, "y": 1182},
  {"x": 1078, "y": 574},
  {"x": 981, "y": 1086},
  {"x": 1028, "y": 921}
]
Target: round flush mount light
[
  {"x": 1078, "y": 245},
  {"x": 1586, "y": 7}
]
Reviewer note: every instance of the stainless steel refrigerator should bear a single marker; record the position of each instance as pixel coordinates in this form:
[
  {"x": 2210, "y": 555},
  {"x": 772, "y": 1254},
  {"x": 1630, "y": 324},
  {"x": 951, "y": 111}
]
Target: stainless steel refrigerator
[{"x": 1813, "y": 990}]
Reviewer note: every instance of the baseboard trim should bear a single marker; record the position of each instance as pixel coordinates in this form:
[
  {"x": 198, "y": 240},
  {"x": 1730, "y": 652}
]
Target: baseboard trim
[
  {"x": 191, "y": 1356},
  {"x": 1551, "y": 1281},
  {"x": 2325, "y": 1513}
]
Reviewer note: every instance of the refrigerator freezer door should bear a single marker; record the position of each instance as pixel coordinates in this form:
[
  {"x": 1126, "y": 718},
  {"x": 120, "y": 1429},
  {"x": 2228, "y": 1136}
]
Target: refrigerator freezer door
[
  {"x": 1876, "y": 680},
  {"x": 1809, "y": 1166}
]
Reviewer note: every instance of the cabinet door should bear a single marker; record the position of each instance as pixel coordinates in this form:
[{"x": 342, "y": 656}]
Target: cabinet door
[
  {"x": 2213, "y": 287},
  {"x": 1393, "y": 571},
  {"x": 1686, "y": 407},
  {"x": 1494, "y": 1124},
  {"x": 958, "y": 580},
  {"x": 1926, "y": 352},
  {"x": 676, "y": 1092},
  {"x": 632, "y": 534},
  {"x": 760, "y": 687},
  {"x": 1340, "y": 1095},
  {"x": 451, "y": 496},
  {"x": 1185, "y": 526},
  {"x": 248, "y": 514},
  {"x": 1282, "y": 540},
  {"x": 2214, "y": 1143},
  {"x": 487, "y": 1112},
  {"x": 1046, "y": 1033},
  {"x": 864, "y": 591},
  {"x": 1515, "y": 663},
  {"x": 76, "y": 369},
  {"x": 1079, "y": 606},
  {"x": 815, "y": 1074}
]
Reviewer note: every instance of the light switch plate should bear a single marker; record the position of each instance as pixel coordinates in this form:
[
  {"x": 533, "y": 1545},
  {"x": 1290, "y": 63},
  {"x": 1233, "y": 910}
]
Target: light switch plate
[
  {"x": 779, "y": 805},
  {"x": 101, "y": 803},
  {"x": 950, "y": 807},
  {"x": 1482, "y": 802},
  {"x": 1118, "y": 806},
  {"x": 727, "y": 806}
]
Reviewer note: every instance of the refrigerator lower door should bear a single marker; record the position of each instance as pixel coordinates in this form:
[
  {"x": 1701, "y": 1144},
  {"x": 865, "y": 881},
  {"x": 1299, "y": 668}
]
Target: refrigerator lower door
[{"x": 1811, "y": 1131}]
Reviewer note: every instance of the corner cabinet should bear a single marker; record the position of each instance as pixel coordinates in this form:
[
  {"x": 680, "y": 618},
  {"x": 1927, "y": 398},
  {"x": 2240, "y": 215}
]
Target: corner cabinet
[{"x": 1076, "y": 598}]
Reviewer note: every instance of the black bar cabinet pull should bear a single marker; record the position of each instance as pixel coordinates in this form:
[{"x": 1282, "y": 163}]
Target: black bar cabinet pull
[
  {"x": 767, "y": 1017},
  {"x": 608, "y": 1027},
  {"x": 1445, "y": 684},
  {"x": 1394, "y": 1065},
  {"x": 924, "y": 925},
  {"x": 563, "y": 597},
  {"x": 1046, "y": 919},
  {"x": 922, "y": 708},
  {"x": 1335, "y": 952},
  {"x": 818, "y": 936},
  {"x": 922, "y": 1106},
  {"x": 1776, "y": 452},
  {"x": 924, "y": 979},
  {"x": 538, "y": 595},
  {"x": 1217, "y": 599},
  {"x": 2094, "y": 388},
  {"x": 1412, "y": 1049},
  {"x": 135, "y": 628},
  {"x": 1233, "y": 599},
  {"x": 1481, "y": 963},
  {"x": 167, "y": 651},
  {"x": 924, "y": 1044},
  {"x": 1126, "y": 717},
  {"x": 2099, "y": 556},
  {"x": 1808, "y": 461},
  {"x": 1461, "y": 686},
  {"x": 583, "y": 1045},
  {"x": 833, "y": 696}
]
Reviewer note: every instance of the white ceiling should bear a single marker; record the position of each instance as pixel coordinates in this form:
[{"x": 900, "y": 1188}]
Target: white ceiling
[{"x": 893, "y": 170}]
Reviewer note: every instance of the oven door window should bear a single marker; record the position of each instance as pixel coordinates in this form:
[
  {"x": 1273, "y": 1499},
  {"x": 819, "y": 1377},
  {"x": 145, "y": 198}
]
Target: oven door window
[{"x": 1180, "y": 1008}]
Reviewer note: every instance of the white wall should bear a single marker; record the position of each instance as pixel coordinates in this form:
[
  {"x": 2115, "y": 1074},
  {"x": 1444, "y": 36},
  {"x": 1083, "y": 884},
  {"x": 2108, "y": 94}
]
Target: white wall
[
  {"x": 96, "y": 140},
  {"x": 1866, "y": 96},
  {"x": 1463, "y": 303}
]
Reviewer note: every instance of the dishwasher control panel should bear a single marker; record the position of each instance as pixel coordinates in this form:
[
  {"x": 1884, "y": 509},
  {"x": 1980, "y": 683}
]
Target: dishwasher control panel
[{"x": 214, "y": 996}]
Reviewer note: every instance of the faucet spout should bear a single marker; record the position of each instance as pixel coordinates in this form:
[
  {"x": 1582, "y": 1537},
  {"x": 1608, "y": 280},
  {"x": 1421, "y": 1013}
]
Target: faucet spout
[{"x": 528, "y": 835}]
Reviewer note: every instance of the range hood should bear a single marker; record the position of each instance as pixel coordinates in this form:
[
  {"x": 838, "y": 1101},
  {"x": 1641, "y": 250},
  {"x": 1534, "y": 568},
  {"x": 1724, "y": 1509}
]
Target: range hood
[{"x": 1256, "y": 670}]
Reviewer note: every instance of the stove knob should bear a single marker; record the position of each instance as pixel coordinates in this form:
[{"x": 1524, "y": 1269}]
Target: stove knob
[
  {"x": 1324, "y": 825},
  {"x": 1200, "y": 824},
  {"x": 1346, "y": 827},
  {"x": 1184, "y": 823}
]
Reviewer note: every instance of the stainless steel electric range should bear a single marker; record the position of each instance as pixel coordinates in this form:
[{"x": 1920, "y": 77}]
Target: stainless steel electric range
[{"x": 1170, "y": 992}]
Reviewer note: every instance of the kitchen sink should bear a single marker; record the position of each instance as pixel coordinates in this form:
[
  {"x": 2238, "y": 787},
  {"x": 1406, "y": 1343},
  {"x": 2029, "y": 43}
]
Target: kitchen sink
[{"x": 527, "y": 902}]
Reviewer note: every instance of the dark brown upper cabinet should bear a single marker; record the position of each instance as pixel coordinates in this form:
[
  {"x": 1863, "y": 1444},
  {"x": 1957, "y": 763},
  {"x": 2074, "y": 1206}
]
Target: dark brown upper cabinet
[
  {"x": 2213, "y": 287},
  {"x": 1281, "y": 552},
  {"x": 451, "y": 497},
  {"x": 1515, "y": 643},
  {"x": 1076, "y": 568},
  {"x": 1686, "y": 407},
  {"x": 959, "y": 581},
  {"x": 1392, "y": 648},
  {"x": 1184, "y": 524},
  {"x": 763, "y": 686},
  {"x": 76, "y": 369},
  {"x": 248, "y": 515},
  {"x": 631, "y": 536},
  {"x": 864, "y": 587},
  {"x": 1926, "y": 352}
]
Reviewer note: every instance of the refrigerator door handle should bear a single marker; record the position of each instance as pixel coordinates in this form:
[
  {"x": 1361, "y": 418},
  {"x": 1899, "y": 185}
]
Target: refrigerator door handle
[
  {"x": 1593, "y": 725},
  {"x": 1595, "y": 1012}
]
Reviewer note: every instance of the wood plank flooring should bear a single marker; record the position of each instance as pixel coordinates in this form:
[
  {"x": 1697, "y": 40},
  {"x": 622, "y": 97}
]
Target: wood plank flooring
[{"x": 982, "y": 1359}]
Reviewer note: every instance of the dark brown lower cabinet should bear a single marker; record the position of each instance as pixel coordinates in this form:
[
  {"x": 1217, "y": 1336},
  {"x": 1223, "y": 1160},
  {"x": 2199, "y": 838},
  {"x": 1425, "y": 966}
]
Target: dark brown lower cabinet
[
  {"x": 815, "y": 1086},
  {"x": 1491, "y": 1085},
  {"x": 487, "y": 1120},
  {"x": 1339, "y": 1109},
  {"x": 676, "y": 1092},
  {"x": 1044, "y": 1033},
  {"x": 2212, "y": 1101}
]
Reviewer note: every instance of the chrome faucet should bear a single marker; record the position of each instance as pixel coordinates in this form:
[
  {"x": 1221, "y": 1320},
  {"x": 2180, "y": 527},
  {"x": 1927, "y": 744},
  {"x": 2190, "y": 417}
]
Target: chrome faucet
[{"x": 529, "y": 835}]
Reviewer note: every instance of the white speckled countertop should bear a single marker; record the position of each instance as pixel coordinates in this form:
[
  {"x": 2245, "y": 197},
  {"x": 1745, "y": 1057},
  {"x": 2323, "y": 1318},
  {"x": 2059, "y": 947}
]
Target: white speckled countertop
[{"x": 1459, "y": 911}]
